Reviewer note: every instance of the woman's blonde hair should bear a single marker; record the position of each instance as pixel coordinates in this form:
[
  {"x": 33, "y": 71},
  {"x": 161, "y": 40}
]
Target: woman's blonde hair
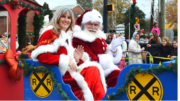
[
  {"x": 55, "y": 20},
  {"x": 168, "y": 41}
]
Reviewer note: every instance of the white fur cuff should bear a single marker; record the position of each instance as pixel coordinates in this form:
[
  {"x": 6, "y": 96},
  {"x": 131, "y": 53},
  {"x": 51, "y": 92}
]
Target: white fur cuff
[
  {"x": 105, "y": 60},
  {"x": 63, "y": 63}
]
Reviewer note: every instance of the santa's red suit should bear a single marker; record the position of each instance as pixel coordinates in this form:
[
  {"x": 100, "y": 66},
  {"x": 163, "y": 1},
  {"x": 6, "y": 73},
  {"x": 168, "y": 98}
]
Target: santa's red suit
[
  {"x": 99, "y": 51},
  {"x": 88, "y": 82}
]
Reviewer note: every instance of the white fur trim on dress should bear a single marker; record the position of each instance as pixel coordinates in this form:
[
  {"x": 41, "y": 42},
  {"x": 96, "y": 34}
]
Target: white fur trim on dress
[
  {"x": 89, "y": 37},
  {"x": 76, "y": 29},
  {"x": 52, "y": 48},
  {"x": 63, "y": 63},
  {"x": 93, "y": 16}
]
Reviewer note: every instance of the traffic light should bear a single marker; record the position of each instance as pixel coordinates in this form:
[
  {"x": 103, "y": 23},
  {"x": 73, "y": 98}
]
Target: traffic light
[
  {"x": 134, "y": 1},
  {"x": 110, "y": 8}
]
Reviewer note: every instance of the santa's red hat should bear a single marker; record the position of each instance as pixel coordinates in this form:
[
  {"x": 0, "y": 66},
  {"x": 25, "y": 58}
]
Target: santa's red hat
[{"x": 88, "y": 15}]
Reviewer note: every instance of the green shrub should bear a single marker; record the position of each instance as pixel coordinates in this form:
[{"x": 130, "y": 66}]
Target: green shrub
[{"x": 175, "y": 32}]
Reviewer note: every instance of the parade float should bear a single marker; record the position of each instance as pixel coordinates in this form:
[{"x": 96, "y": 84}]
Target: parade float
[{"x": 24, "y": 79}]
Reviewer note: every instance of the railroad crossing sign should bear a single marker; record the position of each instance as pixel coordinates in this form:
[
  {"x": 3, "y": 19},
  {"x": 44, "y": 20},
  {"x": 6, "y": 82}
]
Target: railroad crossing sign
[
  {"x": 41, "y": 84},
  {"x": 145, "y": 87}
]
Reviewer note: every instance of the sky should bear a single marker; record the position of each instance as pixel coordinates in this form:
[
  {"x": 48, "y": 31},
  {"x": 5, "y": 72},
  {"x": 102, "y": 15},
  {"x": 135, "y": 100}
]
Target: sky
[{"x": 144, "y": 5}]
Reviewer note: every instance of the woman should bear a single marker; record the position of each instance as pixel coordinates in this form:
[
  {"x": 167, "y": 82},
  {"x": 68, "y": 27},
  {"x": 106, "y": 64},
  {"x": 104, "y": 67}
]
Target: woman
[
  {"x": 109, "y": 39},
  {"x": 134, "y": 46},
  {"x": 54, "y": 47},
  {"x": 155, "y": 28},
  {"x": 164, "y": 47},
  {"x": 174, "y": 50},
  {"x": 154, "y": 51}
]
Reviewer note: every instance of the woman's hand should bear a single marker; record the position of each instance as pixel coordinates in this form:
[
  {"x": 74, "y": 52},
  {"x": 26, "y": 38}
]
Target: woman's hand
[
  {"x": 78, "y": 53},
  {"x": 72, "y": 65},
  {"x": 173, "y": 57},
  {"x": 168, "y": 56},
  {"x": 148, "y": 45}
]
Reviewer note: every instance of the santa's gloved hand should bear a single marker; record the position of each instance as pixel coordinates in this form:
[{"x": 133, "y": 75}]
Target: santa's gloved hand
[{"x": 116, "y": 42}]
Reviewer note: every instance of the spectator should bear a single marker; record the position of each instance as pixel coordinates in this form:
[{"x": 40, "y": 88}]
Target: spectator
[
  {"x": 164, "y": 47},
  {"x": 174, "y": 50},
  {"x": 155, "y": 28},
  {"x": 122, "y": 63},
  {"x": 143, "y": 39},
  {"x": 134, "y": 46},
  {"x": 109, "y": 39},
  {"x": 158, "y": 36},
  {"x": 154, "y": 51}
]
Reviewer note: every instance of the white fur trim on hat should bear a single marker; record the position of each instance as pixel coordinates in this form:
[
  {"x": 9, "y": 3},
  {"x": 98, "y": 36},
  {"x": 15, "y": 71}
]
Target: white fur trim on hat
[
  {"x": 76, "y": 28},
  {"x": 93, "y": 16}
]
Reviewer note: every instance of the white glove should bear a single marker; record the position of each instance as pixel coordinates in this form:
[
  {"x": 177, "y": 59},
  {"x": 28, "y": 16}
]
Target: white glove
[{"x": 116, "y": 42}]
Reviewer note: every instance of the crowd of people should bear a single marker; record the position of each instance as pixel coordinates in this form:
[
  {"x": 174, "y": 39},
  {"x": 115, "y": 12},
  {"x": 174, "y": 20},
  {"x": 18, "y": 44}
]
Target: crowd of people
[{"x": 161, "y": 50}]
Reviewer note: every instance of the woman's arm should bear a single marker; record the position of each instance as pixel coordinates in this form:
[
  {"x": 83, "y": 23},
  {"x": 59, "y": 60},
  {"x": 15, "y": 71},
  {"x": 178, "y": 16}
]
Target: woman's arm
[
  {"x": 132, "y": 46},
  {"x": 154, "y": 45}
]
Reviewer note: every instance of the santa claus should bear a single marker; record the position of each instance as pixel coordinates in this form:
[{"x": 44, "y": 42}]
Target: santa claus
[{"x": 88, "y": 33}]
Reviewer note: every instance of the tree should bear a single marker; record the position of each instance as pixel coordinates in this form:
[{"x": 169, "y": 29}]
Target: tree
[
  {"x": 138, "y": 13},
  {"x": 47, "y": 11},
  {"x": 171, "y": 12},
  {"x": 85, "y": 4},
  {"x": 122, "y": 5}
]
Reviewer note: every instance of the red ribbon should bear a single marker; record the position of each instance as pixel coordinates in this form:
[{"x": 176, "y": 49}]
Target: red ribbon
[{"x": 14, "y": 72}]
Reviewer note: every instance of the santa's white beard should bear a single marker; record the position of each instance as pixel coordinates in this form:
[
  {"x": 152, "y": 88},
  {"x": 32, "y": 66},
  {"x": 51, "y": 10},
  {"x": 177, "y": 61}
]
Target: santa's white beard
[{"x": 95, "y": 34}]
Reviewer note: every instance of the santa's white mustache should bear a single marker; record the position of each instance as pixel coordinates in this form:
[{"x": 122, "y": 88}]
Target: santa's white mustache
[{"x": 94, "y": 30}]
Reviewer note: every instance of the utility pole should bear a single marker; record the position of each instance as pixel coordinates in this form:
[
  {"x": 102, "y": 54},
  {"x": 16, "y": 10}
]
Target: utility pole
[
  {"x": 105, "y": 16},
  {"x": 133, "y": 18},
  {"x": 162, "y": 18},
  {"x": 152, "y": 15}
]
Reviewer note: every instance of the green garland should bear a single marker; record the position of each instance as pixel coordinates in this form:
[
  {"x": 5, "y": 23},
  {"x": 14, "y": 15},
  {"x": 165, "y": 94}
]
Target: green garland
[
  {"x": 22, "y": 31},
  {"x": 16, "y": 2},
  {"x": 38, "y": 23},
  {"x": 130, "y": 76}
]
